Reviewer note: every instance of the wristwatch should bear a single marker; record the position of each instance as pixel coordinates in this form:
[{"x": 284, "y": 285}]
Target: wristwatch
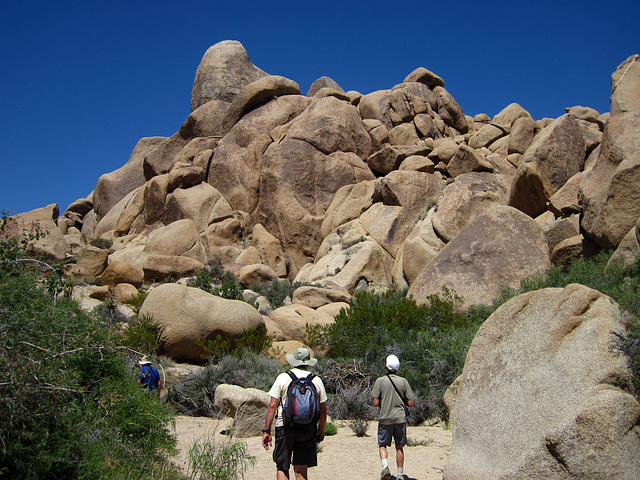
[{"x": 268, "y": 432}]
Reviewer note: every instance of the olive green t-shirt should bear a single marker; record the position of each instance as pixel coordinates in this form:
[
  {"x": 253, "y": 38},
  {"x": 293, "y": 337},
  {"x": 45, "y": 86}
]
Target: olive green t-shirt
[{"x": 391, "y": 405}]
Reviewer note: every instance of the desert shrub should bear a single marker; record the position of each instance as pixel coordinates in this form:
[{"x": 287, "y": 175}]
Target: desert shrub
[
  {"x": 143, "y": 334},
  {"x": 278, "y": 290},
  {"x": 330, "y": 429},
  {"x": 253, "y": 340},
  {"x": 359, "y": 426},
  {"x": 195, "y": 396},
  {"x": 103, "y": 243},
  {"x": 229, "y": 288},
  {"x": 432, "y": 341},
  {"x": 219, "y": 461},
  {"x": 69, "y": 403},
  {"x": 137, "y": 301}
]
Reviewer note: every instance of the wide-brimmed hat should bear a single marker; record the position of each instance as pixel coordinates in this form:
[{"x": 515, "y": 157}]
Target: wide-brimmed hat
[
  {"x": 302, "y": 356},
  {"x": 144, "y": 361}
]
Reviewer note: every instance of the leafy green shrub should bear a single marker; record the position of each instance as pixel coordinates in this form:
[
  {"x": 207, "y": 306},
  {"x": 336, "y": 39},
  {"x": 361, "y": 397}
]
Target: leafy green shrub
[
  {"x": 143, "y": 334},
  {"x": 432, "y": 342},
  {"x": 103, "y": 243},
  {"x": 253, "y": 340},
  {"x": 229, "y": 288},
  {"x": 330, "y": 429},
  {"x": 226, "y": 461},
  {"x": 69, "y": 403},
  {"x": 278, "y": 290}
]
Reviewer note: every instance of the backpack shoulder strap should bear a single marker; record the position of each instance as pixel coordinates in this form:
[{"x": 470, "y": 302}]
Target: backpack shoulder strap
[
  {"x": 402, "y": 397},
  {"x": 292, "y": 375}
]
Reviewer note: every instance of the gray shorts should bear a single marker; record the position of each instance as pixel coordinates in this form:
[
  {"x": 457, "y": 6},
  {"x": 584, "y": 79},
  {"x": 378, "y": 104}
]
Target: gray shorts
[{"x": 397, "y": 431}]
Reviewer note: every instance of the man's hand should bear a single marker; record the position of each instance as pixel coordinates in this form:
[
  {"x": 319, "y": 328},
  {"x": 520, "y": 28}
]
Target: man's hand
[
  {"x": 319, "y": 438},
  {"x": 267, "y": 441}
]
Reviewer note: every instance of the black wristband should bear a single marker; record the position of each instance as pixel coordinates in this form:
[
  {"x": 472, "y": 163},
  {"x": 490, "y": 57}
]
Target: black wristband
[{"x": 268, "y": 432}]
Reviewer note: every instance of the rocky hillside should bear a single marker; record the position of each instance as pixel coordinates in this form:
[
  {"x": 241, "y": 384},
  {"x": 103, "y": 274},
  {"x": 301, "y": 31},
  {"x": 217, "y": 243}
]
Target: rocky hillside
[
  {"x": 397, "y": 187},
  {"x": 356, "y": 191}
]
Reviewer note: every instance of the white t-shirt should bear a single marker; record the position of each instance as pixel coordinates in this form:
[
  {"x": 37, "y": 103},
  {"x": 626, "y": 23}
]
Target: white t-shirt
[{"x": 279, "y": 389}]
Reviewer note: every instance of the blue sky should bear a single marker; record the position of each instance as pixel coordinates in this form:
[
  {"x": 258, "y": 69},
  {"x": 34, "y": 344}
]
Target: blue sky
[{"x": 82, "y": 82}]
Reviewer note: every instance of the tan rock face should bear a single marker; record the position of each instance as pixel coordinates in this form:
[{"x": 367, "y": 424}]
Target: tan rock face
[
  {"x": 316, "y": 297},
  {"x": 556, "y": 154},
  {"x": 120, "y": 272},
  {"x": 236, "y": 165},
  {"x": 191, "y": 316},
  {"x": 470, "y": 195},
  {"x": 247, "y": 406},
  {"x": 293, "y": 320},
  {"x": 257, "y": 274},
  {"x": 224, "y": 69},
  {"x": 610, "y": 191},
  {"x": 543, "y": 394},
  {"x": 497, "y": 249},
  {"x": 113, "y": 187}
]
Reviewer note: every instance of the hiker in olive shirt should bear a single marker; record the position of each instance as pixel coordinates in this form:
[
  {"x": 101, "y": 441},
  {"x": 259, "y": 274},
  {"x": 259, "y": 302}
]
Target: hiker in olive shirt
[{"x": 392, "y": 394}]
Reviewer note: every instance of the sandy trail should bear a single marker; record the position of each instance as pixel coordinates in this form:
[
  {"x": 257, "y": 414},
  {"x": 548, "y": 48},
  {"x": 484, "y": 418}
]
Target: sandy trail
[{"x": 343, "y": 457}]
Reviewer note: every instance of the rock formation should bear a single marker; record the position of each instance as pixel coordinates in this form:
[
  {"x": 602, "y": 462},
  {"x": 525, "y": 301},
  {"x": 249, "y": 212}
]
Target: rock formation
[
  {"x": 544, "y": 394},
  {"x": 351, "y": 191}
]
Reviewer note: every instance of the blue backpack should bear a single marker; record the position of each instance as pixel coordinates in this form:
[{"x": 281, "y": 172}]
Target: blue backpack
[{"x": 302, "y": 404}]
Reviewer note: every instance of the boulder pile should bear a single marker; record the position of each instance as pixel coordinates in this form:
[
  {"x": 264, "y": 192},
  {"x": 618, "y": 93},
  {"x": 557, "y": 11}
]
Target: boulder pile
[
  {"x": 354, "y": 191},
  {"x": 345, "y": 191}
]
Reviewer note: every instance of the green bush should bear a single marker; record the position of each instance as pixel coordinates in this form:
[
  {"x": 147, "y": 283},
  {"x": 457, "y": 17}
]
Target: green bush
[
  {"x": 253, "y": 340},
  {"x": 143, "y": 334},
  {"x": 69, "y": 403},
  {"x": 330, "y": 429},
  {"x": 225, "y": 461},
  {"x": 431, "y": 340},
  {"x": 278, "y": 290},
  {"x": 103, "y": 243}
]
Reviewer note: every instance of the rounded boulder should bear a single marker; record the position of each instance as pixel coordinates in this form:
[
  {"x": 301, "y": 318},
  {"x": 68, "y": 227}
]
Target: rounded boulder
[{"x": 191, "y": 317}]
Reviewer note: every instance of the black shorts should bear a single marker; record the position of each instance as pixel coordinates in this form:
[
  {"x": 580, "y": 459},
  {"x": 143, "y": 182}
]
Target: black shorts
[
  {"x": 299, "y": 442},
  {"x": 396, "y": 430}
]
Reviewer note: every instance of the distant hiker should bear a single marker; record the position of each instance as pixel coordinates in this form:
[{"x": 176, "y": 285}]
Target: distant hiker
[
  {"x": 393, "y": 395},
  {"x": 149, "y": 377},
  {"x": 298, "y": 430}
]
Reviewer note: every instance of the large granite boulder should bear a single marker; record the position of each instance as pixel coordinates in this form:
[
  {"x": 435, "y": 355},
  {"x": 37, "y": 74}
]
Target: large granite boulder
[
  {"x": 256, "y": 94},
  {"x": 294, "y": 319},
  {"x": 224, "y": 69},
  {"x": 497, "y": 249},
  {"x": 113, "y": 187},
  {"x": 191, "y": 316},
  {"x": 464, "y": 199},
  {"x": 237, "y": 162},
  {"x": 556, "y": 154},
  {"x": 625, "y": 85},
  {"x": 610, "y": 191},
  {"x": 544, "y": 393},
  {"x": 120, "y": 271},
  {"x": 247, "y": 406},
  {"x": 41, "y": 222}
]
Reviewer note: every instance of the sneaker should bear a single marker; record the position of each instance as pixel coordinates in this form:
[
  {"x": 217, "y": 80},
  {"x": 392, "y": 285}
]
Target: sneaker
[
  {"x": 402, "y": 477},
  {"x": 385, "y": 474}
]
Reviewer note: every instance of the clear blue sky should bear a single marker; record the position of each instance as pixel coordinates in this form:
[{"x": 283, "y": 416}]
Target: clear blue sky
[{"x": 82, "y": 82}]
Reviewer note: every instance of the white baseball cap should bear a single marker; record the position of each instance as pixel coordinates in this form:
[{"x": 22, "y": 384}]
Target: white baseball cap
[{"x": 393, "y": 363}]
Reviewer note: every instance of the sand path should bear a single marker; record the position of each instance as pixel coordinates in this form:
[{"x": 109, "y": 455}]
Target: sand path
[{"x": 343, "y": 457}]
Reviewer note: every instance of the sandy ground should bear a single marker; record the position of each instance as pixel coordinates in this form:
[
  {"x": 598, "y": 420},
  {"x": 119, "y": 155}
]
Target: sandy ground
[{"x": 343, "y": 457}]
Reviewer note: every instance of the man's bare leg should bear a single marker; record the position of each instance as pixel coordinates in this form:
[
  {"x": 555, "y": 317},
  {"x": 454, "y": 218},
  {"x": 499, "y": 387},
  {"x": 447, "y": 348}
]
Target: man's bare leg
[
  {"x": 301, "y": 472},
  {"x": 282, "y": 475}
]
